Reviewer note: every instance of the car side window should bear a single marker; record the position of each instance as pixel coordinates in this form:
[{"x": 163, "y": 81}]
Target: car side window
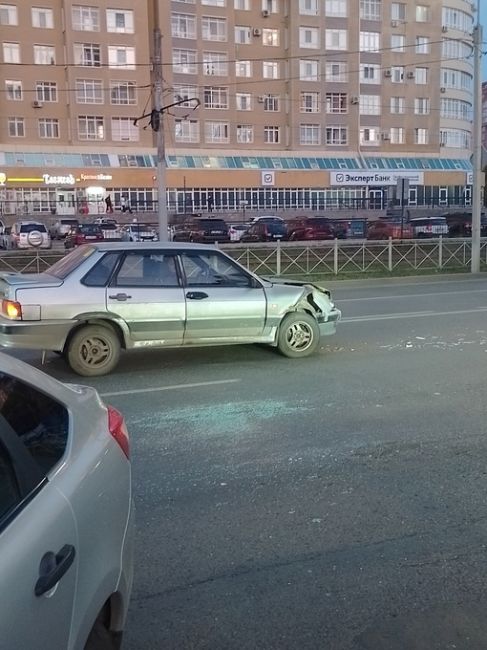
[
  {"x": 147, "y": 269},
  {"x": 41, "y": 423},
  {"x": 101, "y": 272},
  {"x": 213, "y": 269},
  {"x": 10, "y": 495}
]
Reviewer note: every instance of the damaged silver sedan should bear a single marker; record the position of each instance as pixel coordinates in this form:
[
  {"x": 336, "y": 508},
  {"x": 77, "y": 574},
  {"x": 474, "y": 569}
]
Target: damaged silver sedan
[{"x": 107, "y": 297}]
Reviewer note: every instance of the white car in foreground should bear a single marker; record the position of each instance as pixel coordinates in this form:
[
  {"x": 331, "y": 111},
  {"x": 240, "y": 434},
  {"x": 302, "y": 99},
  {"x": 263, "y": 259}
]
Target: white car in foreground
[{"x": 66, "y": 514}]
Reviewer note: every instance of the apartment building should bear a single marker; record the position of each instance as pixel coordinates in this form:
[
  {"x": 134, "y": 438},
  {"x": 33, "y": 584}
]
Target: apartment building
[{"x": 302, "y": 103}]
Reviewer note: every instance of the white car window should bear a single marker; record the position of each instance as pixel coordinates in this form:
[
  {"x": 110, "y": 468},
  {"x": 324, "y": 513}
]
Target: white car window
[{"x": 212, "y": 269}]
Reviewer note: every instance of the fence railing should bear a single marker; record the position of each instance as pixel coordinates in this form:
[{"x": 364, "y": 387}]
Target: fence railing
[{"x": 337, "y": 257}]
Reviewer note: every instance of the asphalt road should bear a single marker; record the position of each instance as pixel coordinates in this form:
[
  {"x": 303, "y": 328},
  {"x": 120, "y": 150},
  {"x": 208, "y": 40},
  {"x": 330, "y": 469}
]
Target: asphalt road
[{"x": 337, "y": 502}]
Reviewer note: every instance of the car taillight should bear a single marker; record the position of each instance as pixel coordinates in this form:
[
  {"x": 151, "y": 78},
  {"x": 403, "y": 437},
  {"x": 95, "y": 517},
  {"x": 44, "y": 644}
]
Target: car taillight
[
  {"x": 12, "y": 309},
  {"x": 116, "y": 425}
]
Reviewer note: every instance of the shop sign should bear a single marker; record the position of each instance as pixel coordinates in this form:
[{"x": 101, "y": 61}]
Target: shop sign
[
  {"x": 469, "y": 178},
  {"x": 268, "y": 178},
  {"x": 375, "y": 178},
  {"x": 96, "y": 177},
  {"x": 58, "y": 180}
]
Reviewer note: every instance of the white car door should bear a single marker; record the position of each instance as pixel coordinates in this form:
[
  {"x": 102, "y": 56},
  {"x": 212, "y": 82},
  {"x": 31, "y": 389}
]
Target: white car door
[{"x": 38, "y": 538}]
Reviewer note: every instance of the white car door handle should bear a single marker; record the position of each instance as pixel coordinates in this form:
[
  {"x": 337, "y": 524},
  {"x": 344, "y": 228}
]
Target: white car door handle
[{"x": 120, "y": 296}]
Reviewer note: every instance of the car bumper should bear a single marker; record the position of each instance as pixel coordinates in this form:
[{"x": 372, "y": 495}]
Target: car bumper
[
  {"x": 34, "y": 335},
  {"x": 328, "y": 324}
]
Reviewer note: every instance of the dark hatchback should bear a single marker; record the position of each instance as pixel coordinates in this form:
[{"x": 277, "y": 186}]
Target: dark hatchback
[
  {"x": 202, "y": 230},
  {"x": 83, "y": 233},
  {"x": 265, "y": 231}
]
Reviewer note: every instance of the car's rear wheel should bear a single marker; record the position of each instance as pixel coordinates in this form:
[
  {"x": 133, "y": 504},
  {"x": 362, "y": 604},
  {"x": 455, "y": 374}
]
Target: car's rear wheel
[
  {"x": 93, "y": 350},
  {"x": 299, "y": 335}
]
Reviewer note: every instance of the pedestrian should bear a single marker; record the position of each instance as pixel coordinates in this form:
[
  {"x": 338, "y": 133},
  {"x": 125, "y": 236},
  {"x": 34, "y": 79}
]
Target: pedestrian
[
  {"x": 109, "y": 204},
  {"x": 125, "y": 205},
  {"x": 209, "y": 202}
]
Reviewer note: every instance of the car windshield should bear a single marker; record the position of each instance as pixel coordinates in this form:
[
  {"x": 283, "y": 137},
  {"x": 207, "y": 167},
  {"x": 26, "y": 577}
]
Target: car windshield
[
  {"x": 141, "y": 227},
  {"x": 66, "y": 265},
  {"x": 212, "y": 223},
  {"x": 276, "y": 228},
  {"x": 319, "y": 221},
  {"x": 89, "y": 229},
  {"x": 69, "y": 222},
  {"x": 30, "y": 227}
]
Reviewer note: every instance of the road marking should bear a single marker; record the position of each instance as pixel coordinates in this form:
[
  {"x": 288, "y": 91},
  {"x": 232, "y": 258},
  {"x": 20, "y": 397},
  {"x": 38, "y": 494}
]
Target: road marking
[
  {"x": 172, "y": 387},
  {"x": 408, "y": 295},
  {"x": 412, "y": 314}
]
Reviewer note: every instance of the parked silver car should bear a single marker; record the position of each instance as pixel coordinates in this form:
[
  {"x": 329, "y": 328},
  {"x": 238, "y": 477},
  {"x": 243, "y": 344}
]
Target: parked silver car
[
  {"x": 60, "y": 228},
  {"x": 66, "y": 514},
  {"x": 139, "y": 232},
  {"x": 29, "y": 234},
  {"x": 104, "y": 297}
]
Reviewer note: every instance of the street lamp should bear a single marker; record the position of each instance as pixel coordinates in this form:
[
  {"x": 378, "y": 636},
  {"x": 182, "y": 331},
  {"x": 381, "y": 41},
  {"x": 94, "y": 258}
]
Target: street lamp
[{"x": 477, "y": 144}]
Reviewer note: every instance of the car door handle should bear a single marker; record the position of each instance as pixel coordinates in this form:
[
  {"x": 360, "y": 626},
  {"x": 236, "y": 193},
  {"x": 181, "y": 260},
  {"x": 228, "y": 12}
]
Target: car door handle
[
  {"x": 196, "y": 295},
  {"x": 120, "y": 296},
  {"x": 56, "y": 565}
]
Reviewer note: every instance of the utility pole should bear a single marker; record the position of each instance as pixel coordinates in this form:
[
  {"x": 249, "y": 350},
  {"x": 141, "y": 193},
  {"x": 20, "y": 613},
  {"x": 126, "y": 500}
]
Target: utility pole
[
  {"x": 161, "y": 151},
  {"x": 477, "y": 145}
]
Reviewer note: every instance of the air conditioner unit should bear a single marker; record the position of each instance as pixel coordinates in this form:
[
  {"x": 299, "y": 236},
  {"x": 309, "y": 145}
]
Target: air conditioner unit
[
  {"x": 354, "y": 100},
  {"x": 261, "y": 99},
  {"x": 386, "y": 136},
  {"x": 394, "y": 23},
  {"x": 265, "y": 13},
  {"x": 37, "y": 104},
  {"x": 257, "y": 31},
  {"x": 443, "y": 89},
  {"x": 444, "y": 29},
  {"x": 387, "y": 73},
  {"x": 410, "y": 75}
]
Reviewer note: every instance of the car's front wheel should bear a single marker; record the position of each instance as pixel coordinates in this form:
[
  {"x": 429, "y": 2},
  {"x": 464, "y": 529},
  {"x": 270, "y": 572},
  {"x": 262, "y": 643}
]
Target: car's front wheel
[
  {"x": 299, "y": 335},
  {"x": 93, "y": 350}
]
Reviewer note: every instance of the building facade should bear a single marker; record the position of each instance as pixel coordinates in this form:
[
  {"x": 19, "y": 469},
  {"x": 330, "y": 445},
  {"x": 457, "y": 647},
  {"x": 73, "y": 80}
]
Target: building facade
[{"x": 303, "y": 104}]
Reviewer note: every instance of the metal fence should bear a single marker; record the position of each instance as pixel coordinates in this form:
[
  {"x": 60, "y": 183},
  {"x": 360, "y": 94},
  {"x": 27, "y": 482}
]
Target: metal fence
[{"x": 338, "y": 257}]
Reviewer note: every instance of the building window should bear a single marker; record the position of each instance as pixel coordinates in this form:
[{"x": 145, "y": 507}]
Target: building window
[
  {"x": 245, "y": 133},
  {"x": 270, "y": 37},
  {"x": 243, "y": 101},
  {"x": 369, "y": 135},
  {"x": 16, "y": 127},
  {"x": 91, "y": 127},
  {"x": 213, "y": 29},
  {"x": 336, "y": 72},
  {"x": 120, "y": 21},
  {"x": 370, "y": 9},
  {"x": 369, "y": 41},
  {"x": 215, "y": 63},
  {"x": 215, "y": 97},
  {"x": 398, "y": 105},
  {"x": 336, "y": 102},
  {"x": 309, "y": 7},
  {"x": 13, "y": 90},
  {"x": 85, "y": 19},
  {"x": 11, "y": 53},
  {"x": 217, "y": 132},
  {"x": 272, "y": 134},
  {"x": 42, "y": 18},
  {"x": 89, "y": 91},
  {"x": 398, "y": 42},
  {"x": 46, "y": 91},
  {"x": 421, "y": 75},
  {"x": 185, "y": 93},
  {"x": 420, "y": 136},
  {"x": 458, "y": 109},
  {"x": 8, "y": 15},
  {"x": 123, "y": 130},
  {"x": 271, "y": 6},
  {"x": 396, "y": 135},
  {"x": 44, "y": 55},
  {"x": 121, "y": 57},
  {"x": 309, "y": 134},
  {"x": 48, "y": 128},
  {"x": 398, "y": 11},
  {"x": 243, "y": 68},
  {"x": 310, "y": 102},
  {"x": 456, "y": 138},
  {"x": 184, "y": 61},
  {"x": 87, "y": 54},
  {"x": 336, "y": 8},
  {"x": 456, "y": 79},
  {"x": 270, "y": 69},
  {"x": 457, "y": 19},
  {"x": 183, "y": 26},
  {"x": 123, "y": 93},
  {"x": 422, "y": 14},
  {"x": 336, "y": 135},
  {"x": 370, "y": 73},
  {"x": 309, "y": 37},
  {"x": 421, "y": 106},
  {"x": 243, "y": 35},
  {"x": 186, "y": 130},
  {"x": 422, "y": 45},
  {"x": 453, "y": 49},
  {"x": 370, "y": 104},
  {"x": 397, "y": 74},
  {"x": 241, "y": 5},
  {"x": 309, "y": 70},
  {"x": 335, "y": 39},
  {"x": 271, "y": 103}
]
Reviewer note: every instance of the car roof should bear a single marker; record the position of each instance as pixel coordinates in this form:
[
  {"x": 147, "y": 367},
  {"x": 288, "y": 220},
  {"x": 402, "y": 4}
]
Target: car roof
[{"x": 169, "y": 245}]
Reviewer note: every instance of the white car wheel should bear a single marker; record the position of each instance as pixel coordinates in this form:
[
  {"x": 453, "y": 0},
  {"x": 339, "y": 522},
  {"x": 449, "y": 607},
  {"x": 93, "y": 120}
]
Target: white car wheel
[{"x": 299, "y": 335}]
